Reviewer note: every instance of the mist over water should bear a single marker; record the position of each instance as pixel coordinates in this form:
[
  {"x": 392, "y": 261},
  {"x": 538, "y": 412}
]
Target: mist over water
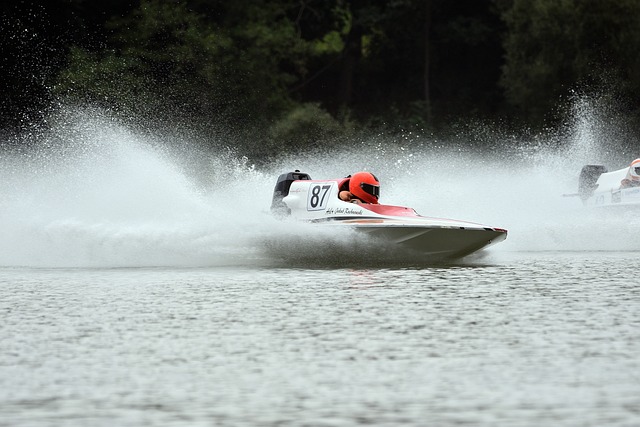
[{"x": 93, "y": 192}]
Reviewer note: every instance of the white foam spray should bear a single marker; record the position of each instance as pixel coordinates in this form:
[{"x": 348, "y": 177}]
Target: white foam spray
[{"x": 93, "y": 192}]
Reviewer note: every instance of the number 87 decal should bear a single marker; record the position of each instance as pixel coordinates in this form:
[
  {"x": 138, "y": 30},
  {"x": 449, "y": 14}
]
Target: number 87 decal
[{"x": 318, "y": 197}]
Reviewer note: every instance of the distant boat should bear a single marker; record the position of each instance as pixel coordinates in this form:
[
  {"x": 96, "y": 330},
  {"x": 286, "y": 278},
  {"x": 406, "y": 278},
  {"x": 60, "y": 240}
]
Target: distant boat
[{"x": 599, "y": 188}]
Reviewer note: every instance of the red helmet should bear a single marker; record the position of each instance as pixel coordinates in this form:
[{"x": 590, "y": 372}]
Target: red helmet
[{"x": 365, "y": 186}]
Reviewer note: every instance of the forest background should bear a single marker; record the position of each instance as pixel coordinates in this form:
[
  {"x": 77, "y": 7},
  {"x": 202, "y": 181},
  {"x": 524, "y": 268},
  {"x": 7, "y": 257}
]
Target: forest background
[{"x": 306, "y": 73}]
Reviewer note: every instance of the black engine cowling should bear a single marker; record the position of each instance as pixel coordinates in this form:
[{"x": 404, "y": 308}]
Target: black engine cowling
[
  {"x": 278, "y": 207},
  {"x": 587, "y": 181}
]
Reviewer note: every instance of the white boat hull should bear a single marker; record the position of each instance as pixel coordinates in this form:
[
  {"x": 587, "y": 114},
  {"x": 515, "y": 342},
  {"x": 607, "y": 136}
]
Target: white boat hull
[
  {"x": 436, "y": 242},
  {"x": 390, "y": 226}
]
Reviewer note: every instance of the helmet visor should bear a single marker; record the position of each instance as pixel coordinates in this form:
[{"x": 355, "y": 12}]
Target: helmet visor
[
  {"x": 636, "y": 170},
  {"x": 374, "y": 190}
]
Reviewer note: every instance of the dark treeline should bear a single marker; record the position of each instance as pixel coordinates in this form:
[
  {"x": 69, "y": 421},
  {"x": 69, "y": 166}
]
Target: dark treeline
[{"x": 303, "y": 71}]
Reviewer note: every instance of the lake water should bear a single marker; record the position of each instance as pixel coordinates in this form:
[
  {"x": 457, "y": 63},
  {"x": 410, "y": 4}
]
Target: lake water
[
  {"x": 516, "y": 339},
  {"x": 143, "y": 283}
]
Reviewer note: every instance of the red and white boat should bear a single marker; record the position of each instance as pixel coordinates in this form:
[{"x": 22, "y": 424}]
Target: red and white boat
[
  {"x": 599, "y": 188},
  {"x": 298, "y": 196}
]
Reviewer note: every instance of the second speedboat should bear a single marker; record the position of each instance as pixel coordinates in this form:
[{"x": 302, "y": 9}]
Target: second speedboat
[
  {"x": 296, "y": 195},
  {"x": 599, "y": 188}
]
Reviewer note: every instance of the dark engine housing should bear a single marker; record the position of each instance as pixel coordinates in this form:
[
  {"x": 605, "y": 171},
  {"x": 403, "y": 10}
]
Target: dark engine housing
[
  {"x": 278, "y": 207},
  {"x": 587, "y": 181}
]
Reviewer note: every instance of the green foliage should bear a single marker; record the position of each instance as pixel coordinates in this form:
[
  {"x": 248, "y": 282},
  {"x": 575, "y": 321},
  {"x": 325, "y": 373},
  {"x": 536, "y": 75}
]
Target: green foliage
[
  {"x": 456, "y": 68},
  {"x": 165, "y": 54},
  {"x": 280, "y": 67},
  {"x": 553, "y": 47},
  {"x": 305, "y": 128},
  {"x": 331, "y": 43},
  {"x": 162, "y": 55}
]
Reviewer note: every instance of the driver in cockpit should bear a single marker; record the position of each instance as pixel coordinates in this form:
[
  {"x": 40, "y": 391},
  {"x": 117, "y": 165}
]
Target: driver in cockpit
[
  {"x": 633, "y": 175},
  {"x": 363, "y": 187}
]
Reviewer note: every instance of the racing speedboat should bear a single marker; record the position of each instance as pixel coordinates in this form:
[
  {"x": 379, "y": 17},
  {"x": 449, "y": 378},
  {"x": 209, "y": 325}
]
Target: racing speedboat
[
  {"x": 298, "y": 196},
  {"x": 599, "y": 188}
]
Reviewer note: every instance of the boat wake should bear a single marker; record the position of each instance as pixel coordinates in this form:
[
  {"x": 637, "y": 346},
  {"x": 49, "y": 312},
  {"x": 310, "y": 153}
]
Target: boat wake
[{"x": 92, "y": 192}]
